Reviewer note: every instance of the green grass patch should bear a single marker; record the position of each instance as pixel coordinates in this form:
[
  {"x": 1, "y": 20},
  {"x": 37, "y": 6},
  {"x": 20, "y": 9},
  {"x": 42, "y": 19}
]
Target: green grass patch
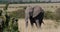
[
  {"x": 49, "y": 15},
  {"x": 18, "y": 14}
]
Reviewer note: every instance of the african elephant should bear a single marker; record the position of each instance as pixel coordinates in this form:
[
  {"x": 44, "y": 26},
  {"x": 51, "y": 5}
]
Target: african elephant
[{"x": 35, "y": 15}]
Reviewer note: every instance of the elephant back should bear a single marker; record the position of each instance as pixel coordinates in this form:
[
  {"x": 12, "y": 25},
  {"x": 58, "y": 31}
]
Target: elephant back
[{"x": 37, "y": 10}]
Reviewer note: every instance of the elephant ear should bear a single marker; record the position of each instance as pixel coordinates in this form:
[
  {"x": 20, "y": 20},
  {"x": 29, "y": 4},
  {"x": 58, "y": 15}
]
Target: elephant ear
[{"x": 37, "y": 10}]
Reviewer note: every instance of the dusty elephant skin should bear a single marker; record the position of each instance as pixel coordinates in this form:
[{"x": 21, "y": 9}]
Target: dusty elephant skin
[{"x": 35, "y": 14}]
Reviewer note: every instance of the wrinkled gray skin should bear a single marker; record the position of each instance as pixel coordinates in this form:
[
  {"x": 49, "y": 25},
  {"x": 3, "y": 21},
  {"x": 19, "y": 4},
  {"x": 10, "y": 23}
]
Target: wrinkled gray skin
[
  {"x": 35, "y": 14},
  {"x": 28, "y": 9}
]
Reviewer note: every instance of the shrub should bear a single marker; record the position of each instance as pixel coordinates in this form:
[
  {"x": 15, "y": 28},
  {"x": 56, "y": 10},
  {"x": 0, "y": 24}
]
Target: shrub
[
  {"x": 49, "y": 15},
  {"x": 18, "y": 14},
  {"x": 9, "y": 27},
  {"x": 57, "y": 13}
]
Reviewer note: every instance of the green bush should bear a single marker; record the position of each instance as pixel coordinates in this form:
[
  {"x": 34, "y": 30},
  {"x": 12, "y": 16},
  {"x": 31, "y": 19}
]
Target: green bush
[
  {"x": 53, "y": 16},
  {"x": 48, "y": 15},
  {"x": 57, "y": 13},
  {"x": 8, "y": 22},
  {"x": 18, "y": 14}
]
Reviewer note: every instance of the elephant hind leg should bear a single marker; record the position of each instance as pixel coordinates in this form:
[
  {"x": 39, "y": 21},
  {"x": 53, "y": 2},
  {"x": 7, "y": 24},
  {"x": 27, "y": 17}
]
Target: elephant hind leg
[
  {"x": 32, "y": 24},
  {"x": 40, "y": 23},
  {"x": 36, "y": 24}
]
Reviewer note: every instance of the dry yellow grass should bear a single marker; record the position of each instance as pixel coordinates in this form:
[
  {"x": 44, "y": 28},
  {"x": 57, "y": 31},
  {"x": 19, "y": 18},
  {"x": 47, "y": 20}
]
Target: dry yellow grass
[
  {"x": 45, "y": 6},
  {"x": 47, "y": 27}
]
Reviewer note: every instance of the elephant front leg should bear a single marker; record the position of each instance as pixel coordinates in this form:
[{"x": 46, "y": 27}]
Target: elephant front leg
[{"x": 31, "y": 22}]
